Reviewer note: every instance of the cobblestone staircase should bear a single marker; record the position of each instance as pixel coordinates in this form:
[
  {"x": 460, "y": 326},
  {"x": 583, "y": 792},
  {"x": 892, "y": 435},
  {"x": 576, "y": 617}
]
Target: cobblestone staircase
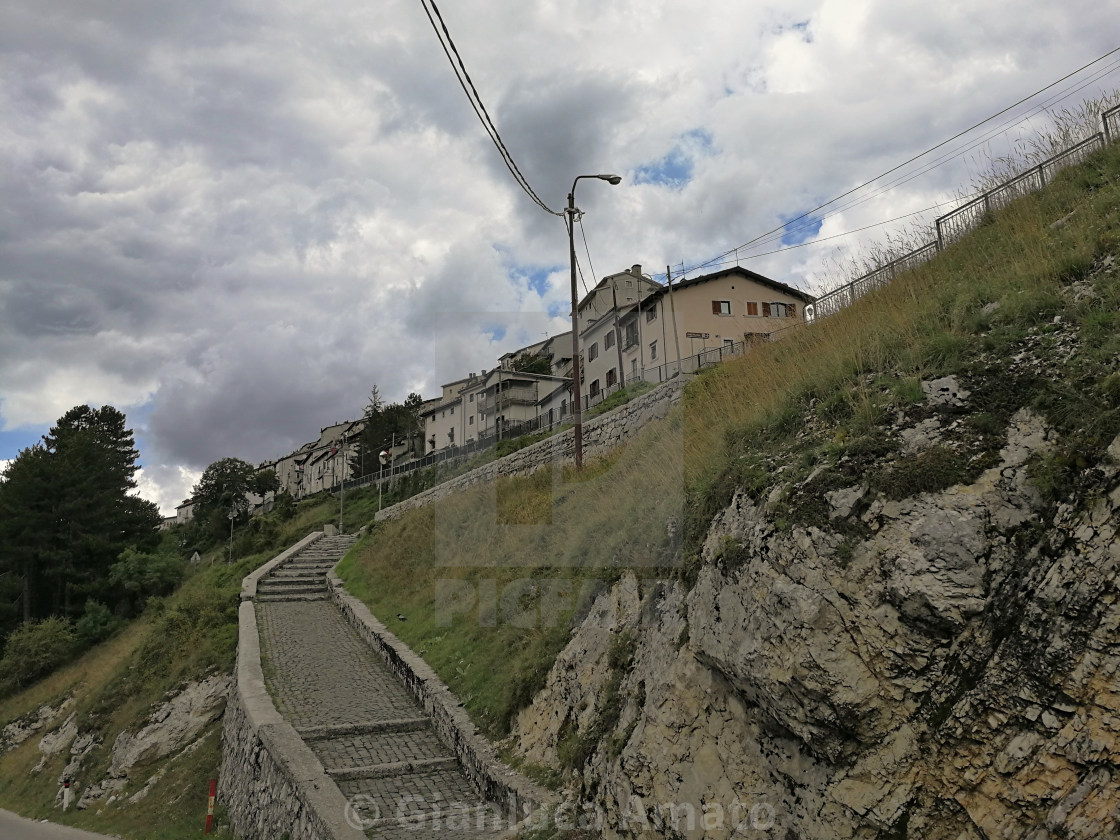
[{"x": 366, "y": 728}]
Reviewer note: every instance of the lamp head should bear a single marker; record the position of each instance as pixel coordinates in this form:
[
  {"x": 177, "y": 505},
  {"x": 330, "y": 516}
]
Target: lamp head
[{"x": 613, "y": 180}]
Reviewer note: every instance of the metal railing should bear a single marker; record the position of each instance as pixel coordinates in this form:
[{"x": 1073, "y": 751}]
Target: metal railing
[{"x": 956, "y": 223}]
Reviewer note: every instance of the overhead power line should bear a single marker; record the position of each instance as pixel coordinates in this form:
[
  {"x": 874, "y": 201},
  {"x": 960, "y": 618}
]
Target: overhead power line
[
  {"x": 941, "y": 159},
  {"x": 785, "y": 228},
  {"x": 465, "y": 82}
]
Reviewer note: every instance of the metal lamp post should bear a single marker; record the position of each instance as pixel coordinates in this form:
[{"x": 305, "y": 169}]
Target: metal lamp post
[
  {"x": 232, "y": 515},
  {"x": 383, "y": 457},
  {"x": 577, "y": 414}
]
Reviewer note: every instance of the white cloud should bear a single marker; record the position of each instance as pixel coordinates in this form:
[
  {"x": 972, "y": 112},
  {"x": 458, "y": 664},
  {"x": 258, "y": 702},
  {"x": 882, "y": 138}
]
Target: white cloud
[
  {"x": 166, "y": 486},
  {"x": 243, "y": 216}
]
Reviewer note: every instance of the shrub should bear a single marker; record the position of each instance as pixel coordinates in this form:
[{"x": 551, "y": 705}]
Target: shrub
[
  {"x": 34, "y": 649},
  {"x": 141, "y": 575},
  {"x": 97, "y": 623}
]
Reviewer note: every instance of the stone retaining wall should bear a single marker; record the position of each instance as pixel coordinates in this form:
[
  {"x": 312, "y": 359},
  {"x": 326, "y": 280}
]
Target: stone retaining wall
[
  {"x": 517, "y": 796},
  {"x": 271, "y": 784},
  {"x": 600, "y": 434}
]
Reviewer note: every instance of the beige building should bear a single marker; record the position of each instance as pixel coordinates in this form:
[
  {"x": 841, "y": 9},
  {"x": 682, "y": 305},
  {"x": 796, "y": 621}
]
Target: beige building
[
  {"x": 320, "y": 464},
  {"x": 697, "y": 321}
]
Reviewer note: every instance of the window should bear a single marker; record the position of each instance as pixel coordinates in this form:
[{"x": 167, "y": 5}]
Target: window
[
  {"x": 608, "y": 340},
  {"x": 765, "y": 310},
  {"x": 470, "y": 421},
  {"x": 728, "y": 342},
  {"x": 595, "y": 388},
  {"x": 721, "y": 307},
  {"x": 452, "y": 411},
  {"x": 752, "y": 307},
  {"x": 651, "y": 315},
  {"x": 593, "y": 352},
  {"x": 631, "y": 334},
  {"x": 634, "y": 368},
  {"x": 653, "y": 349},
  {"x": 563, "y": 407},
  {"x": 791, "y": 310},
  {"x": 612, "y": 377},
  {"x": 778, "y": 310},
  {"x": 629, "y": 283},
  {"x": 471, "y": 398}
]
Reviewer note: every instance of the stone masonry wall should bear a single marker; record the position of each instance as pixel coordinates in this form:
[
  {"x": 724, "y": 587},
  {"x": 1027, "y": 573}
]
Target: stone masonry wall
[
  {"x": 517, "y": 796},
  {"x": 600, "y": 435},
  {"x": 271, "y": 784}
]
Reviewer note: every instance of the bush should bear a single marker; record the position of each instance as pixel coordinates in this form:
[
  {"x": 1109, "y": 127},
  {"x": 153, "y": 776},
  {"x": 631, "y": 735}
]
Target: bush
[
  {"x": 143, "y": 575},
  {"x": 97, "y": 623},
  {"x": 34, "y": 649}
]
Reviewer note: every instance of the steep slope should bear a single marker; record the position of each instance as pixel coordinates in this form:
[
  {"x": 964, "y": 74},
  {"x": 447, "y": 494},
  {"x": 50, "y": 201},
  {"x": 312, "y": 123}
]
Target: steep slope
[
  {"x": 135, "y": 723},
  {"x": 901, "y": 620}
]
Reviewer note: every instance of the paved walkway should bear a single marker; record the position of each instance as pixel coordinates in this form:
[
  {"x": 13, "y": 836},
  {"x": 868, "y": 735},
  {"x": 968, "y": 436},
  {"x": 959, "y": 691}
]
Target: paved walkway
[
  {"x": 366, "y": 728},
  {"x": 13, "y": 827}
]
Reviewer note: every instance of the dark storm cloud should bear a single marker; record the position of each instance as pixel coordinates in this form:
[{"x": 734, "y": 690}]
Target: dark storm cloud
[{"x": 241, "y": 216}]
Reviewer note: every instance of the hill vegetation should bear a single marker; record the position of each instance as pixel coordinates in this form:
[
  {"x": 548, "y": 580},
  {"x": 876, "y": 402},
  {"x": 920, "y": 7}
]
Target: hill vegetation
[{"x": 491, "y": 580}]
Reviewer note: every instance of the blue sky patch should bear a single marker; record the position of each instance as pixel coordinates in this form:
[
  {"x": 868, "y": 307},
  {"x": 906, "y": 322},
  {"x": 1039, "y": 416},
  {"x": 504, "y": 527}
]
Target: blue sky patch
[
  {"x": 538, "y": 280},
  {"x": 495, "y": 332},
  {"x": 802, "y": 230},
  {"x": 676, "y": 168},
  {"x": 12, "y": 442}
]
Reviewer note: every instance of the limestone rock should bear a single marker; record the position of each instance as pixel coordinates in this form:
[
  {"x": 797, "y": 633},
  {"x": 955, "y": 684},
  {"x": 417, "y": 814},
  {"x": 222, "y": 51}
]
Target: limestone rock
[
  {"x": 55, "y": 742},
  {"x": 944, "y": 391},
  {"x": 171, "y": 725},
  {"x": 955, "y": 676}
]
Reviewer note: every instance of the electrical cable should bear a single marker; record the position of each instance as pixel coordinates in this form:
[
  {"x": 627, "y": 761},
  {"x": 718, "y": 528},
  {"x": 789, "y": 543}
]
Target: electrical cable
[
  {"x": 473, "y": 97},
  {"x": 583, "y": 233},
  {"x": 785, "y": 227},
  {"x": 903, "y": 179}
]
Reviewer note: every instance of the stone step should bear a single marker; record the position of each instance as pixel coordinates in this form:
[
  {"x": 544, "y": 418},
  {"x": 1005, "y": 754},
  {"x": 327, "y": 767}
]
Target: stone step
[
  {"x": 268, "y": 598},
  {"x": 393, "y": 768},
  {"x": 298, "y": 585},
  {"x": 460, "y": 820},
  {"x": 378, "y": 754},
  {"x": 294, "y": 574},
  {"x": 413, "y": 724}
]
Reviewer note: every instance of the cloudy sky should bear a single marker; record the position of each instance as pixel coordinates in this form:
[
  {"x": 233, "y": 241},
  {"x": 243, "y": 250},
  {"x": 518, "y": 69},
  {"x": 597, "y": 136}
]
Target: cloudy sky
[{"x": 231, "y": 218}]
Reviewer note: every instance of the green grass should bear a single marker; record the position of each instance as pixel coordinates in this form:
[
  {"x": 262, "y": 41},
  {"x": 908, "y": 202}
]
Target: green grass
[
  {"x": 823, "y": 397},
  {"x": 179, "y": 638}
]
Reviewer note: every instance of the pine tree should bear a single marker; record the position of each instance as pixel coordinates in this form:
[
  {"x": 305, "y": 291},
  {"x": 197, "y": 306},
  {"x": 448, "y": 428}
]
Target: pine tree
[
  {"x": 382, "y": 425},
  {"x": 68, "y": 509}
]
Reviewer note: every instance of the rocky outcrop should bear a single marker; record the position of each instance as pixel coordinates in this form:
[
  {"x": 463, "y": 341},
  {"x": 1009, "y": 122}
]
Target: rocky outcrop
[
  {"x": 170, "y": 727},
  {"x": 939, "y": 666},
  {"x": 15, "y": 733}
]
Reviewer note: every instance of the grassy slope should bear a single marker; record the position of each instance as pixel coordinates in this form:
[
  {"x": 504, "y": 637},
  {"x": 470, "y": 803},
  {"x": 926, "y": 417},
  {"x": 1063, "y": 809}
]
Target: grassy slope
[
  {"x": 177, "y": 639},
  {"x": 848, "y": 374}
]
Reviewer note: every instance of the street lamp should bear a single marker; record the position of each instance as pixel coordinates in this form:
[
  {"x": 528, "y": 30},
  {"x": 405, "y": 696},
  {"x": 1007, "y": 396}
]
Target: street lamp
[
  {"x": 382, "y": 456},
  {"x": 232, "y": 515},
  {"x": 577, "y": 414}
]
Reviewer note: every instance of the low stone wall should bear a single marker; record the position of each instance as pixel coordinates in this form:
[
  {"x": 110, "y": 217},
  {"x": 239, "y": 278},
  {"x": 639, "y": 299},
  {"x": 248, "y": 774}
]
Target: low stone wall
[
  {"x": 600, "y": 434},
  {"x": 271, "y": 783},
  {"x": 517, "y": 796}
]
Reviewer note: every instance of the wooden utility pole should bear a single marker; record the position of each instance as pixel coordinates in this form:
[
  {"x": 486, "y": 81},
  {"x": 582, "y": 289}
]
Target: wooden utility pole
[
  {"x": 673, "y": 312},
  {"x": 618, "y": 339}
]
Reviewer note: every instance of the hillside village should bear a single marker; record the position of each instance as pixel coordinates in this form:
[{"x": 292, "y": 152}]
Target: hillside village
[{"x": 632, "y": 330}]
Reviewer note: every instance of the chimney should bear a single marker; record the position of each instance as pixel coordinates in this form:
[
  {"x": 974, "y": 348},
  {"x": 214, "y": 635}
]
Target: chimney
[{"x": 636, "y": 270}]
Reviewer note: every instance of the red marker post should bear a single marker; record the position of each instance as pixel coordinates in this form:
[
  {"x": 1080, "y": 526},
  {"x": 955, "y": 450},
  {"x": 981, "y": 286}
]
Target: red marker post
[{"x": 210, "y": 806}]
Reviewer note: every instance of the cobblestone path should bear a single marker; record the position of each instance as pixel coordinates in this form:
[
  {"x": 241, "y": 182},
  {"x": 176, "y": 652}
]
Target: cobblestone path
[{"x": 366, "y": 728}]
